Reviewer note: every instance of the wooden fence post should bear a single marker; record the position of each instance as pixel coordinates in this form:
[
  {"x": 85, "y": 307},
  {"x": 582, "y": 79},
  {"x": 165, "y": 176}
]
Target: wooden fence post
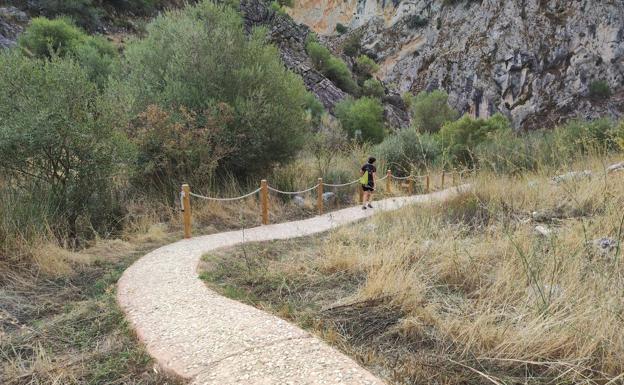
[
  {"x": 319, "y": 196},
  {"x": 427, "y": 184},
  {"x": 389, "y": 182},
  {"x": 264, "y": 198},
  {"x": 443, "y": 175},
  {"x": 186, "y": 210},
  {"x": 410, "y": 186}
]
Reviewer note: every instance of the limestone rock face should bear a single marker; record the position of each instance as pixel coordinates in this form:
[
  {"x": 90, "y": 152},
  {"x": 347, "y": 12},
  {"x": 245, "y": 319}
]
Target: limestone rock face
[
  {"x": 12, "y": 22},
  {"x": 532, "y": 60},
  {"x": 290, "y": 37}
]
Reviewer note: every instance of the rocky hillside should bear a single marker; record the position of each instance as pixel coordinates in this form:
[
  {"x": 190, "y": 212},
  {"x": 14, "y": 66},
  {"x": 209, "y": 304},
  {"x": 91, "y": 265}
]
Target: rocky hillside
[
  {"x": 290, "y": 37},
  {"x": 533, "y": 60}
]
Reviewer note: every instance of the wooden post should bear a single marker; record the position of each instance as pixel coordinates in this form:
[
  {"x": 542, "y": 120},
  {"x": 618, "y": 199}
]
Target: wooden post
[
  {"x": 410, "y": 186},
  {"x": 389, "y": 182},
  {"x": 360, "y": 193},
  {"x": 443, "y": 174},
  {"x": 427, "y": 184},
  {"x": 319, "y": 196},
  {"x": 264, "y": 198},
  {"x": 186, "y": 210}
]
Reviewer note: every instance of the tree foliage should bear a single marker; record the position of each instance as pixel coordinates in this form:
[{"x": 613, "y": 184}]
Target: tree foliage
[
  {"x": 460, "y": 138},
  {"x": 46, "y": 38},
  {"x": 58, "y": 131},
  {"x": 430, "y": 110},
  {"x": 362, "y": 118},
  {"x": 200, "y": 57}
]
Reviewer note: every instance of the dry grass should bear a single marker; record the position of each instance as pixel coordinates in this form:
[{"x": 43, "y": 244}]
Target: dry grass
[
  {"x": 59, "y": 321},
  {"x": 465, "y": 291}
]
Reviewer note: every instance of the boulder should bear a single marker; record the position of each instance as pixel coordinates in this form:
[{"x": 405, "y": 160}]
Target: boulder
[
  {"x": 572, "y": 175},
  {"x": 616, "y": 167},
  {"x": 329, "y": 197},
  {"x": 299, "y": 201}
]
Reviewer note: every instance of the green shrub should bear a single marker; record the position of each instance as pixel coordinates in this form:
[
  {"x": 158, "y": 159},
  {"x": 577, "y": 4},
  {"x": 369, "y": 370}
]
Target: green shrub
[
  {"x": 507, "y": 152},
  {"x": 599, "y": 90},
  {"x": 366, "y": 66},
  {"x": 460, "y": 138},
  {"x": 58, "y": 132},
  {"x": 430, "y": 110},
  {"x": 46, "y": 38},
  {"x": 408, "y": 151},
  {"x": 314, "y": 108},
  {"x": 373, "y": 88},
  {"x": 416, "y": 21},
  {"x": 340, "y": 28},
  {"x": 176, "y": 147},
  {"x": 352, "y": 45},
  {"x": 361, "y": 118},
  {"x": 200, "y": 57},
  {"x": 332, "y": 67},
  {"x": 585, "y": 137}
]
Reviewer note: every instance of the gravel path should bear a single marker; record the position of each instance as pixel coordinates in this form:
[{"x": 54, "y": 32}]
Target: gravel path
[{"x": 212, "y": 340}]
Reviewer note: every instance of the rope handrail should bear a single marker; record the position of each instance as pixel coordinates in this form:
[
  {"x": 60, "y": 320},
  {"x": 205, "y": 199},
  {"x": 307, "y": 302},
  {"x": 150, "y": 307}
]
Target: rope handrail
[
  {"x": 225, "y": 199},
  {"x": 342, "y": 184},
  {"x": 293, "y": 192}
]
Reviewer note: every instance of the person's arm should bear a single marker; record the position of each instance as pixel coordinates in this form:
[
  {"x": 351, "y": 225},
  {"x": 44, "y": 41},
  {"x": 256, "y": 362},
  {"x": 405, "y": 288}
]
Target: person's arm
[{"x": 374, "y": 180}]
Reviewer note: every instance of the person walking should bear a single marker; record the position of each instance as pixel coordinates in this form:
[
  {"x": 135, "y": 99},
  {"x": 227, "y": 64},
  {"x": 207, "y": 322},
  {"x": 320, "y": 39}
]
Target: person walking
[{"x": 368, "y": 179}]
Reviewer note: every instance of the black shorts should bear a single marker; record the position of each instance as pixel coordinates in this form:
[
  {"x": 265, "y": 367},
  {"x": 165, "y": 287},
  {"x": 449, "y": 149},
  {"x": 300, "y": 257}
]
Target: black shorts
[{"x": 368, "y": 188}]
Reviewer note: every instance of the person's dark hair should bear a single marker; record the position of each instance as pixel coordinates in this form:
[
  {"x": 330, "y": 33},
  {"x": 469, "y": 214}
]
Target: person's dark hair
[{"x": 371, "y": 160}]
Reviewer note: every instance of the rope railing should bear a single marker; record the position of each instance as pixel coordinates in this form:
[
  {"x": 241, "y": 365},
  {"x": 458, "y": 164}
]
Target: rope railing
[
  {"x": 293, "y": 192},
  {"x": 225, "y": 199},
  {"x": 264, "y": 189},
  {"x": 342, "y": 184}
]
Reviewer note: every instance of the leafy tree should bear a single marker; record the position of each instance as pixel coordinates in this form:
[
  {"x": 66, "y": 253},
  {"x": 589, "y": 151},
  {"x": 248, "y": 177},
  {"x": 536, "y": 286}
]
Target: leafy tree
[
  {"x": 373, "y": 88},
  {"x": 363, "y": 117},
  {"x": 56, "y": 130},
  {"x": 366, "y": 66},
  {"x": 430, "y": 110},
  {"x": 200, "y": 57},
  {"x": 46, "y": 38},
  {"x": 353, "y": 45},
  {"x": 408, "y": 150},
  {"x": 460, "y": 138},
  {"x": 181, "y": 147},
  {"x": 332, "y": 67},
  {"x": 314, "y": 108}
]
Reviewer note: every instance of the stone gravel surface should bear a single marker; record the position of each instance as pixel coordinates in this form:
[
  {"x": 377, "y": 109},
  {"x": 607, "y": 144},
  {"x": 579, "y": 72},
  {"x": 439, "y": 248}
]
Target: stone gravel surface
[{"x": 212, "y": 340}]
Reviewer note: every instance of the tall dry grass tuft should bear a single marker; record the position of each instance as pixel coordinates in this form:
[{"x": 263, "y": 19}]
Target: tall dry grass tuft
[{"x": 476, "y": 279}]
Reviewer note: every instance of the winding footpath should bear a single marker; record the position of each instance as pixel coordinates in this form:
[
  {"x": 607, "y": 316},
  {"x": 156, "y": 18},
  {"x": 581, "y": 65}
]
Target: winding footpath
[{"x": 202, "y": 336}]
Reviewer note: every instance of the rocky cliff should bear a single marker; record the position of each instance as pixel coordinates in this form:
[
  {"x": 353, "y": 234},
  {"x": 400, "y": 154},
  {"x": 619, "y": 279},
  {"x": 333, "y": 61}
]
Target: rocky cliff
[
  {"x": 12, "y": 22},
  {"x": 532, "y": 60},
  {"x": 290, "y": 37}
]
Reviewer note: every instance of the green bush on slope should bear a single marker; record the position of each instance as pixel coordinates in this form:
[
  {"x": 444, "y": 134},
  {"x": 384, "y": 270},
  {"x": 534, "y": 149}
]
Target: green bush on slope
[
  {"x": 199, "y": 58},
  {"x": 58, "y": 134}
]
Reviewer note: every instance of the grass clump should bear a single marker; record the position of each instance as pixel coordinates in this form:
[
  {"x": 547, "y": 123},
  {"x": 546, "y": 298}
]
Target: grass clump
[{"x": 599, "y": 90}]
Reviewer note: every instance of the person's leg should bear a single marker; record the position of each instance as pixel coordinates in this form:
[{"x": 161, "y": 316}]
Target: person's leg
[{"x": 365, "y": 197}]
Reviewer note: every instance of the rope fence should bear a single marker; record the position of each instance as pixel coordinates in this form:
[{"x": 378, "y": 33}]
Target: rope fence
[{"x": 407, "y": 182}]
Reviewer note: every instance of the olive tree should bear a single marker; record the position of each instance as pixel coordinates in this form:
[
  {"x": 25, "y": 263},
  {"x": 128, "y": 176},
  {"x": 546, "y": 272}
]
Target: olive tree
[
  {"x": 58, "y": 132},
  {"x": 200, "y": 57}
]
